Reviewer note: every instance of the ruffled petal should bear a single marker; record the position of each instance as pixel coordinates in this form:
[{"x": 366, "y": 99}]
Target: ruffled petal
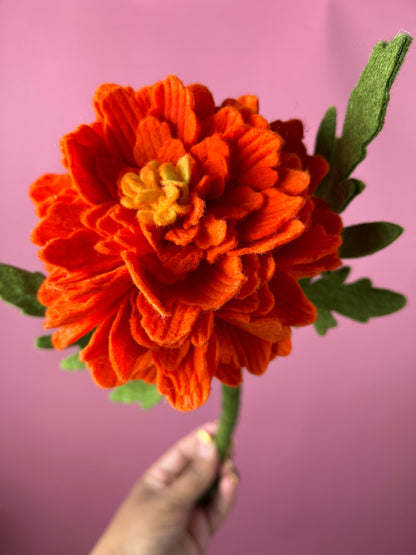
[
  {"x": 47, "y": 189},
  {"x": 62, "y": 219},
  {"x": 120, "y": 113},
  {"x": 292, "y": 307},
  {"x": 123, "y": 350},
  {"x": 174, "y": 103},
  {"x": 212, "y": 154},
  {"x": 150, "y": 138}
]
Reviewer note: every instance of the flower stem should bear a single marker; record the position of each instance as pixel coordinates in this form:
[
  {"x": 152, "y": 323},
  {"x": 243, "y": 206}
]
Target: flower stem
[{"x": 228, "y": 420}]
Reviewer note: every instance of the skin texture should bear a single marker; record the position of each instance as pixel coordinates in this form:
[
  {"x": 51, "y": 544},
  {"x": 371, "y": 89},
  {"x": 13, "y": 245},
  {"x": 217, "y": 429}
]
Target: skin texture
[{"x": 161, "y": 515}]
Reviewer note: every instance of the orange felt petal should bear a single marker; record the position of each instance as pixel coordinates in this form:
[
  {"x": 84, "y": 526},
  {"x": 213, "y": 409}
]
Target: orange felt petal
[
  {"x": 181, "y": 236},
  {"x": 120, "y": 113},
  {"x": 168, "y": 330},
  {"x": 67, "y": 335},
  {"x": 47, "y": 189},
  {"x": 123, "y": 349},
  {"x": 203, "y": 328},
  {"x": 74, "y": 251},
  {"x": 226, "y": 122},
  {"x": 170, "y": 151},
  {"x": 196, "y": 212},
  {"x": 293, "y": 182},
  {"x": 174, "y": 103},
  {"x": 237, "y": 203},
  {"x": 277, "y": 211},
  {"x": 288, "y": 232},
  {"x": 83, "y": 151},
  {"x": 204, "y": 105},
  {"x": 250, "y": 351},
  {"x": 212, "y": 232},
  {"x": 96, "y": 357},
  {"x": 229, "y": 375},
  {"x": 150, "y": 137},
  {"x": 169, "y": 360},
  {"x": 62, "y": 219},
  {"x": 292, "y": 307},
  {"x": 267, "y": 328},
  {"x": 180, "y": 260},
  {"x": 212, "y": 155},
  {"x": 250, "y": 101},
  {"x": 189, "y": 386},
  {"x": 255, "y": 155},
  {"x": 212, "y": 285}
]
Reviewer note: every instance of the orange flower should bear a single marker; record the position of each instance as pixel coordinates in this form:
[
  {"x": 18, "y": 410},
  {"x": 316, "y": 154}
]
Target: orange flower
[{"x": 178, "y": 234}]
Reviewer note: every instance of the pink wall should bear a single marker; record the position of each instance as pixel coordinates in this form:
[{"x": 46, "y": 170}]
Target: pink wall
[{"x": 326, "y": 444}]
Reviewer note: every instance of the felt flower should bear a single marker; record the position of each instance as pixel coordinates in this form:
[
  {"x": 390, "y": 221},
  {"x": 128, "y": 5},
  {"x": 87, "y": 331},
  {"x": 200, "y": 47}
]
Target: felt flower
[{"x": 178, "y": 234}]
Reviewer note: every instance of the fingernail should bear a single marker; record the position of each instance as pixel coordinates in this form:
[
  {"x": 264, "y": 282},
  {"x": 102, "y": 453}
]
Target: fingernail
[
  {"x": 206, "y": 443},
  {"x": 228, "y": 465}
]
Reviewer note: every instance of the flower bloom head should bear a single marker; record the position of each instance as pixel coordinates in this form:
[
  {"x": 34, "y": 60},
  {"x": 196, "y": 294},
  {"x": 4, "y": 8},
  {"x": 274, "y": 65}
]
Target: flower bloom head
[{"x": 178, "y": 234}]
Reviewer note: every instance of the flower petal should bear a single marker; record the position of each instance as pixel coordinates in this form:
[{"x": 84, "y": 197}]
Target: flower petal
[
  {"x": 189, "y": 386},
  {"x": 62, "y": 219},
  {"x": 277, "y": 211},
  {"x": 174, "y": 103},
  {"x": 254, "y": 157},
  {"x": 288, "y": 232},
  {"x": 120, "y": 113},
  {"x": 168, "y": 330},
  {"x": 212, "y": 154},
  {"x": 150, "y": 137},
  {"x": 204, "y": 105},
  {"x": 123, "y": 350},
  {"x": 47, "y": 189},
  {"x": 84, "y": 152},
  {"x": 292, "y": 307}
]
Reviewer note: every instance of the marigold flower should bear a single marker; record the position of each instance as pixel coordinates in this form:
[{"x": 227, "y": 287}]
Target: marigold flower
[{"x": 178, "y": 234}]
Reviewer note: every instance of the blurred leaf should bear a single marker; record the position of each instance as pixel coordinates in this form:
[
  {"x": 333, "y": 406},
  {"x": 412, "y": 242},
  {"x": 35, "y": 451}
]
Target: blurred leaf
[
  {"x": 324, "y": 145},
  {"x": 72, "y": 363},
  {"x": 137, "y": 391},
  {"x": 44, "y": 342},
  {"x": 358, "y": 300},
  {"x": 19, "y": 288},
  {"x": 364, "y": 239},
  {"x": 324, "y": 322}
]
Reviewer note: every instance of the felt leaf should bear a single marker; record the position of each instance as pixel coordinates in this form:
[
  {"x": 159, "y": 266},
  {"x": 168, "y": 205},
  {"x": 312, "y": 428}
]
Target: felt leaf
[
  {"x": 359, "y": 300},
  {"x": 364, "y": 119},
  {"x": 72, "y": 363},
  {"x": 324, "y": 321},
  {"x": 368, "y": 103},
  {"x": 364, "y": 239},
  {"x": 137, "y": 392},
  {"x": 324, "y": 145},
  {"x": 19, "y": 288},
  {"x": 44, "y": 342}
]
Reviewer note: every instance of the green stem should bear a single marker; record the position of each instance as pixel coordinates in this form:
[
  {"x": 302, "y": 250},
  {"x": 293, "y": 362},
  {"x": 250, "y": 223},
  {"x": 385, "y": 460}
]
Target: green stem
[{"x": 228, "y": 420}]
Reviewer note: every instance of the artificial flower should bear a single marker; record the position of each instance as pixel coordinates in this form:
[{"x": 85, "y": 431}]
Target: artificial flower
[{"x": 178, "y": 234}]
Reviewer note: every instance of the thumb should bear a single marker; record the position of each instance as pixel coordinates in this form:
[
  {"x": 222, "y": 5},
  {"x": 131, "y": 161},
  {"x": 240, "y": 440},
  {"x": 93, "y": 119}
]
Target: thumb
[{"x": 199, "y": 473}]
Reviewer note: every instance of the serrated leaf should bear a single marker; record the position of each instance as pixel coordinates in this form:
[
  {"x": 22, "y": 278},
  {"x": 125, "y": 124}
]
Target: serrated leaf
[
  {"x": 358, "y": 300},
  {"x": 44, "y": 342},
  {"x": 324, "y": 145},
  {"x": 137, "y": 391},
  {"x": 342, "y": 195},
  {"x": 368, "y": 102},
  {"x": 19, "y": 288},
  {"x": 72, "y": 363},
  {"x": 363, "y": 121},
  {"x": 324, "y": 321},
  {"x": 368, "y": 238}
]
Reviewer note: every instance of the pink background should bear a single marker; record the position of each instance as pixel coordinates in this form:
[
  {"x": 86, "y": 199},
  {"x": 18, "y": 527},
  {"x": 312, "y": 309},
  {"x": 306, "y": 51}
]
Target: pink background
[{"x": 326, "y": 443}]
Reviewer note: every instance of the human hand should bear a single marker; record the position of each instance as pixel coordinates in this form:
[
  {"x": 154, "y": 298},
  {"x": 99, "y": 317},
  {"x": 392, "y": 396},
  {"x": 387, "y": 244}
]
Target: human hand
[{"x": 161, "y": 515}]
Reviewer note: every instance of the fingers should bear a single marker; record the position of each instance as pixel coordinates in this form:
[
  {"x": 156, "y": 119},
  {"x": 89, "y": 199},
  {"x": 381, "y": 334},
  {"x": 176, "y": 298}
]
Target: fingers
[
  {"x": 200, "y": 472},
  {"x": 174, "y": 462},
  {"x": 225, "y": 497}
]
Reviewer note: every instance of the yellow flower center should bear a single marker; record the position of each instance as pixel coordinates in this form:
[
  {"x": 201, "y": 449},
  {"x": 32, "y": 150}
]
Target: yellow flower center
[{"x": 160, "y": 193}]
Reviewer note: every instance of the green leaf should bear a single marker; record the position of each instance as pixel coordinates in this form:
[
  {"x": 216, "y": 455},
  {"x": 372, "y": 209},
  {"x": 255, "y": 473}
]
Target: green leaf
[
  {"x": 341, "y": 195},
  {"x": 359, "y": 300},
  {"x": 324, "y": 322},
  {"x": 364, "y": 119},
  {"x": 72, "y": 363},
  {"x": 368, "y": 102},
  {"x": 364, "y": 239},
  {"x": 19, "y": 288},
  {"x": 324, "y": 145},
  {"x": 44, "y": 342},
  {"x": 137, "y": 391}
]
